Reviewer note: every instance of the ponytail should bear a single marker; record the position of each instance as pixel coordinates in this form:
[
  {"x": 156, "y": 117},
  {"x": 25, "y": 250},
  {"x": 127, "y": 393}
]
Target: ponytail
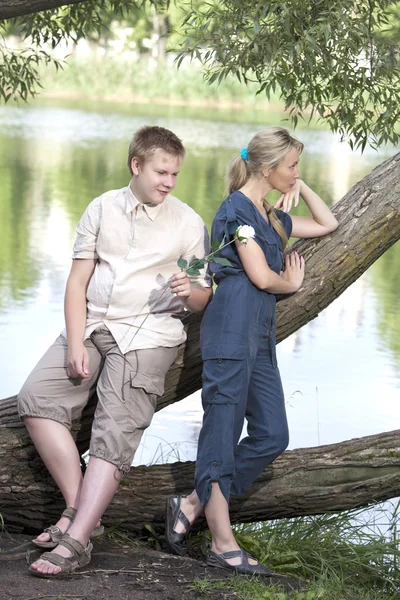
[
  {"x": 276, "y": 223},
  {"x": 238, "y": 174}
]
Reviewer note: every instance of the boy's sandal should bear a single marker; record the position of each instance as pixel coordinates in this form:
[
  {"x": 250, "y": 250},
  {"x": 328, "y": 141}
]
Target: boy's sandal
[
  {"x": 56, "y": 534},
  {"x": 245, "y": 567},
  {"x": 80, "y": 557},
  {"x": 174, "y": 514}
]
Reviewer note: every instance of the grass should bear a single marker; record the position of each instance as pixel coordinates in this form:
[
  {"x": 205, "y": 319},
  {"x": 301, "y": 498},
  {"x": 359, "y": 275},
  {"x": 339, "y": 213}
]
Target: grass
[
  {"x": 165, "y": 452},
  {"x": 353, "y": 555},
  {"x": 242, "y": 588},
  {"x": 139, "y": 81}
]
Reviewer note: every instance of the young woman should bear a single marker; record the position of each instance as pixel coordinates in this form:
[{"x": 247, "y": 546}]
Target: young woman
[{"x": 240, "y": 375}]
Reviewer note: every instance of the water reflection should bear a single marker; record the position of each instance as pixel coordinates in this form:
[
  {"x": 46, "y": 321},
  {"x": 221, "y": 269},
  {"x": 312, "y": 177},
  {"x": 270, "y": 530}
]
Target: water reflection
[
  {"x": 341, "y": 371},
  {"x": 385, "y": 275}
]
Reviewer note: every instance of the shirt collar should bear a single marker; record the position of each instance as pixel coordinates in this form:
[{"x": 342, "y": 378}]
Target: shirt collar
[{"x": 132, "y": 202}]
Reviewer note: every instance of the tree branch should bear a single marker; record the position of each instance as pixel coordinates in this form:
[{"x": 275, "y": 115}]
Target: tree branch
[{"x": 17, "y": 8}]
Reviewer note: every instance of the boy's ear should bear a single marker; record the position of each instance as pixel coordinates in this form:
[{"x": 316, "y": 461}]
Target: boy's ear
[{"x": 135, "y": 166}]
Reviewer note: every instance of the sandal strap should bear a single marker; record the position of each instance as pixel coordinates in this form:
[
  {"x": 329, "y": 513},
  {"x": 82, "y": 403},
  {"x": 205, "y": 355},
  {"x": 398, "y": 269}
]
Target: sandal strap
[
  {"x": 53, "y": 531},
  {"x": 231, "y": 554},
  {"x": 245, "y": 559},
  {"x": 55, "y": 559},
  {"x": 183, "y": 518},
  {"x": 178, "y": 514},
  {"x": 69, "y": 513},
  {"x": 74, "y": 546}
]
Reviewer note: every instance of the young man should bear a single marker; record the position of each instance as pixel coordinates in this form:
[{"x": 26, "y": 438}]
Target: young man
[{"x": 122, "y": 297}]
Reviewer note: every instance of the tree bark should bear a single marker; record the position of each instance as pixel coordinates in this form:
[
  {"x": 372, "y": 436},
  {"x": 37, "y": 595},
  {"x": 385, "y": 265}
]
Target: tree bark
[
  {"x": 301, "y": 482},
  {"x": 16, "y": 8},
  {"x": 307, "y": 481}
]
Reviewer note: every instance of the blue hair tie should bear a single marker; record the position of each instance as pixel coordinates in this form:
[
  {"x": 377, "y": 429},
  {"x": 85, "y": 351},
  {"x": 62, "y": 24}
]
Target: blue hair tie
[{"x": 244, "y": 153}]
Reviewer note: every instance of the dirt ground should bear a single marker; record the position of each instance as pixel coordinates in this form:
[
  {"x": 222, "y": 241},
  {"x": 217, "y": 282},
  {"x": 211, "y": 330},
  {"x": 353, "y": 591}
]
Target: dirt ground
[{"x": 116, "y": 572}]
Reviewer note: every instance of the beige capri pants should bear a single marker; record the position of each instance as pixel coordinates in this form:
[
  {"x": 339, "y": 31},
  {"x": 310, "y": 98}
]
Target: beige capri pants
[{"x": 127, "y": 388}]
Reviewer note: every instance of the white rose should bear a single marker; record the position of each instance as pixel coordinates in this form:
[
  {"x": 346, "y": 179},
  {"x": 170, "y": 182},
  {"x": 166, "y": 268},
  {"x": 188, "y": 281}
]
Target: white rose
[{"x": 244, "y": 233}]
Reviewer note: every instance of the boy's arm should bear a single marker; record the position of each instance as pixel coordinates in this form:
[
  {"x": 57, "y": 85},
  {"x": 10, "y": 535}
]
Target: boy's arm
[
  {"x": 84, "y": 261},
  {"x": 75, "y": 316}
]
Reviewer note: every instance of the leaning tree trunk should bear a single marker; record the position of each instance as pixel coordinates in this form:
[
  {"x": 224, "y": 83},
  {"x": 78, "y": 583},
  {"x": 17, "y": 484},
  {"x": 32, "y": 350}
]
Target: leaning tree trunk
[{"x": 301, "y": 482}]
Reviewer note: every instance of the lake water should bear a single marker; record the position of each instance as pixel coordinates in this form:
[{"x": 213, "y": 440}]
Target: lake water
[{"x": 341, "y": 372}]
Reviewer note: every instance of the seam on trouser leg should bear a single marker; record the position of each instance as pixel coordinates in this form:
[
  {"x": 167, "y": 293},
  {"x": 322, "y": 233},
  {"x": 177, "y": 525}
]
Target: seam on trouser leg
[
  {"x": 123, "y": 467},
  {"x": 50, "y": 417},
  {"x": 214, "y": 462},
  {"x": 213, "y": 469}
]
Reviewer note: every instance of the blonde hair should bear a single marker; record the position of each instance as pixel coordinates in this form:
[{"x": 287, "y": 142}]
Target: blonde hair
[
  {"x": 265, "y": 151},
  {"x": 150, "y": 138}
]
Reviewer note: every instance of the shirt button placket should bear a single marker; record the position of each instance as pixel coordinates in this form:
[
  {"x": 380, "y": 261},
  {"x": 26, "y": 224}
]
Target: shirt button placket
[{"x": 135, "y": 224}]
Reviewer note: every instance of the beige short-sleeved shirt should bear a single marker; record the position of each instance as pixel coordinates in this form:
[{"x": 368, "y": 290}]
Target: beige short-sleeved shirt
[{"x": 137, "y": 247}]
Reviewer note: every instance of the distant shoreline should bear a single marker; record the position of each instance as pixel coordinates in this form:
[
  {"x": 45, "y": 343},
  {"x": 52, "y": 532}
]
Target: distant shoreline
[
  {"x": 115, "y": 81},
  {"x": 204, "y": 103}
]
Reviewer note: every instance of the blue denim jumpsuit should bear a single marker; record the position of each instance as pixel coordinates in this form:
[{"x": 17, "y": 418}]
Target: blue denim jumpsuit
[{"x": 240, "y": 374}]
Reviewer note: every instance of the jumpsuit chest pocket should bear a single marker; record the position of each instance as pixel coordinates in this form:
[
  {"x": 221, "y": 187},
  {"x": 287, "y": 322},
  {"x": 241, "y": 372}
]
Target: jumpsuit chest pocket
[
  {"x": 271, "y": 237},
  {"x": 273, "y": 251}
]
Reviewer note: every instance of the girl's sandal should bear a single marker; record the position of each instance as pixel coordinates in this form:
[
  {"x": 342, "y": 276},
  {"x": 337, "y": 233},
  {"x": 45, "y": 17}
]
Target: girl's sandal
[
  {"x": 80, "y": 557},
  {"x": 173, "y": 515},
  {"x": 56, "y": 534},
  {"x": 244, "y": 567}
]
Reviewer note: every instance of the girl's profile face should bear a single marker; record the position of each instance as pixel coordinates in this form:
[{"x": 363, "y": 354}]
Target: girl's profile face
[{"x": 283, "y": 177}]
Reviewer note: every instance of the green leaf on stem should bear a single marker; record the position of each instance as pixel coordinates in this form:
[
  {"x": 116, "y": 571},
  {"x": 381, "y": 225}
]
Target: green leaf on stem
[
  {"x": 182, "y": 263},
  {"x": 192, "y": 272},
  {"x": 197, "y": 263},
  {"x": 223, "y": 261}
]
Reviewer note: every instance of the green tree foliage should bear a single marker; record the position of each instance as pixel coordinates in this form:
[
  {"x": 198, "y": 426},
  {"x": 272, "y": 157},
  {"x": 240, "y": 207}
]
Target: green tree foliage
[
  {"x": 392, "y": 28},
  {"x": 19, "y": 69},
  {"x": 327, "y": 58},
  {"x": 335, "y": 60}
]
